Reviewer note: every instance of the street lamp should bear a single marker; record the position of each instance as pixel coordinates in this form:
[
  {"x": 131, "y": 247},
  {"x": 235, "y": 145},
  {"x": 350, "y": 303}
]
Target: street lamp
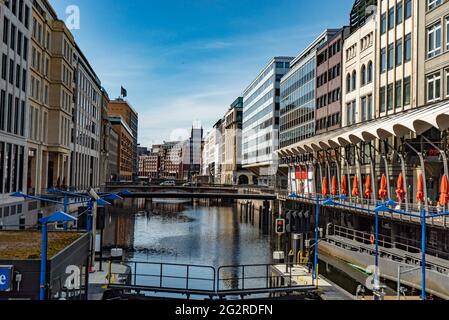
[{"x": 54, "y": 218}]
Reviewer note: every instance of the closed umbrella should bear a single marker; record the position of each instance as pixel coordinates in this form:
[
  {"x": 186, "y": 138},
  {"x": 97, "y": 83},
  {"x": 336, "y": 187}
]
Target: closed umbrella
[
  {"x": 368, "y": 187},
  {"x": 355, "y": 188},
  {"x": 420, "y": 192},
  {"x": 400, "y": 192},
  {"x": 444, "y": 189},
  {"x": 324, "y": 187},
  {"x": 334, "y": 188},
  {"x": 383, "y": 192},
  {"x": 344, "y": 186}
]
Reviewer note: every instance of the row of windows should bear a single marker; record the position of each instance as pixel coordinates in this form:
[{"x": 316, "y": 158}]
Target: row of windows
[
  {"x": 366, "y": 77},
  {"x": 394, "y": 55},
  {"x": 20, "y": 10},
  {"x": 327, "y": 122},
  {"x": 39, "y": 34},
  {"x": 395, "y": 15},
  {"x": 11, "y": 167},
  {"x": 13, "y": 73},
  {"x": 12, "y": 114},
  {"x": 366, "y": 108},
  {"x": 329, "y": 53},
  {"x": 328, "y": 98},
  {"x": 395, "y": 95},
  {"x": 331, "y": 74},
  {"x": 15, "y": 38}
]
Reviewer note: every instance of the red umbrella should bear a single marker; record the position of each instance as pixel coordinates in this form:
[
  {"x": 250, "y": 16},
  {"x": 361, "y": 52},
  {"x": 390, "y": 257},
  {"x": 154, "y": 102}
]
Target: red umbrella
[
  {"x": 334, "y": 187},
  {"x": 420, "y": 192},
  {"x": 355, "y": 187},
  {"x": 344, "y": 186},
  {"x": 400, "y": 192},
  {"x": 368, "y": 187},
  {"x": 383, "y": 192},
  {"x": 324, "y": 187},
  {"x": 444, "y": 188}
]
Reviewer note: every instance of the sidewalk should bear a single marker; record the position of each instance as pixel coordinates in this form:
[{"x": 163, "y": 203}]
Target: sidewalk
[{"x": 98, "y": 280}]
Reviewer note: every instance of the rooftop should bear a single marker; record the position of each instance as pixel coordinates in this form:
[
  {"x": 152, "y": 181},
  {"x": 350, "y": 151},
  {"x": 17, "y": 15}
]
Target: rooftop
[{"x": 26, "y": 245}]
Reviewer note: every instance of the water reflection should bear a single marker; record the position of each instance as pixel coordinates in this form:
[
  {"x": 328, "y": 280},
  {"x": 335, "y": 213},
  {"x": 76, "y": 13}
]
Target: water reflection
[{"x": 185, "y": 233}]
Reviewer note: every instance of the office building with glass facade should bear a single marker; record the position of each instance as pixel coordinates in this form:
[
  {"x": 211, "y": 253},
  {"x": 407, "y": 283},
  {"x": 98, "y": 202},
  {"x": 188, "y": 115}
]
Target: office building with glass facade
[{"x": 261, "y": 105}]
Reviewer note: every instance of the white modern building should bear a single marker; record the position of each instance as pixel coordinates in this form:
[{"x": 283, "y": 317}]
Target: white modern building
[
  {"x": 15, "y": 34},
  {"x": 85, "y": 144},
  {"x": 261, "y": 105}
]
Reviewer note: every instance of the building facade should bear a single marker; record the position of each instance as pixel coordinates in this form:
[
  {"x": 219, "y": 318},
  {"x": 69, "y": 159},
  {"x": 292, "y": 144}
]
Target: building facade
[
  {"x": 87, "y": 125},
  {"x": 191, "y": 153},
  {"x": 43, "y": 17},
  {"x": 171, "y": 165},
  {"x": 261, "y": 105},
  {"x": 15, "y": 22},
  {"x": 433, "y": 57},
  {"x": 112, "y": 170},
  {"x": 105, "y": 135},
  {"x": 149, "y": 165},
  {"x": 298, "y": 94},
  {"x": 329, "y": 83},
  {"x": 124, "y": 149},
  {"x": 123, "y": 108}
]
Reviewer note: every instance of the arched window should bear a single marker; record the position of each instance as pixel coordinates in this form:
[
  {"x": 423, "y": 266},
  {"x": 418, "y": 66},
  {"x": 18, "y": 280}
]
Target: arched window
[
  {"x": 348, "y": 83},
  {"x": 370, "y": 72},
  {"x": 354, "y": 80},
  {"x": 363, "y": 76}
]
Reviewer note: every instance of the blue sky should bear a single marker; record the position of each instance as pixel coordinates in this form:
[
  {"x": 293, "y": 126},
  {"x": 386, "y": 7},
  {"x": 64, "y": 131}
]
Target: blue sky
[{"x": 187, "y": 60}]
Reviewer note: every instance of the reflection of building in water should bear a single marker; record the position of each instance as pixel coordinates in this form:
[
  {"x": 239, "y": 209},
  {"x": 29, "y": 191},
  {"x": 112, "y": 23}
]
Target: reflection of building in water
[
  {"x": 119, "y": 228},
  {"x": 164, "y": 207}
]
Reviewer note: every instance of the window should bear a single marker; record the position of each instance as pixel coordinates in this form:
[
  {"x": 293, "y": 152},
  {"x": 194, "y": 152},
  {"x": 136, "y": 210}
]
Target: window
[
  {"x": 382, "y": 101},
  {"x": 398, "y": 94},
  {"x": 407, "y": 90},
  {"x": 2, "y": 111},
  {"x": 408, "y": 48},
  {"x": 391, "y": 18},
  {"x": 383, "y": 60},
  {"x": 363, "y": 76},
  {"x": 364, "y": 106},
  {"x": 348, "y": 83},
  {"x": 390, "y": 56},
  {"x": 4, "y": 66},
  {"x": 447, "y": 83},
  {"x": 399, "y": 52},
  {"x": 434, "y": 87},
  {"x": 447, "y": 33},
  {"x": 354, "y": 80},
  {"x": 11, "y": 71},
  {"x": 12, "y": 41},
  {"x": 399, "y": 13},
  {"x": 408, "y": 9},
  {"x": 434, "y": 40},
  {"x": 370, "y": 72},
  {"x": 383, "y": 23},
  {"x": 433, "y": 4},
  {"x": 5, "y": 30},
  {"x": 390, "y": 96}
]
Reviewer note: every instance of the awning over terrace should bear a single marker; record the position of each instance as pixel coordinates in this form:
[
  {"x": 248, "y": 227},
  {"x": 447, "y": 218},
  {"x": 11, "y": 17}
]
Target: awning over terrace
[{"x": 413, "y": 121}]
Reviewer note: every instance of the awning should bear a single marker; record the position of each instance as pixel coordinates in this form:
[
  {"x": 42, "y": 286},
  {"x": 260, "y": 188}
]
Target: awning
[{"x": 413, "y": 121}]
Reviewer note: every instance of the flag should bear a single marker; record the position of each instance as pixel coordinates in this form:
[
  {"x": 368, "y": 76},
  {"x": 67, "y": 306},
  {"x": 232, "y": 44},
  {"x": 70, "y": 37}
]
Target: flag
[{"x": 124, "y": 93}]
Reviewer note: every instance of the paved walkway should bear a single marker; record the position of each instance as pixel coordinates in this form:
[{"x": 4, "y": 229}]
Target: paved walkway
[
  {"x": 98, "y": 280},
  {"x": 300, "y": 275}
]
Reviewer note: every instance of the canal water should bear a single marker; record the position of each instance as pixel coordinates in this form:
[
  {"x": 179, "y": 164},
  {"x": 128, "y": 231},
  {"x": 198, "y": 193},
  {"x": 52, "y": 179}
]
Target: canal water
[{"x": 185, "y": 233}]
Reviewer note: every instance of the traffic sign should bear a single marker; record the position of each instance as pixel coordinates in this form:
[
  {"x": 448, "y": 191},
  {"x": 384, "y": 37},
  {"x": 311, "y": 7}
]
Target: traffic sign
[{"x": 6, "y": 278}]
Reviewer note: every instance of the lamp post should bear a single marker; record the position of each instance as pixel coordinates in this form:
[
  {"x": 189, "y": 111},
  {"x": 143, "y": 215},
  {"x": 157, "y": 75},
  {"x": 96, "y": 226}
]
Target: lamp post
[{"x": 54, "y": 218}]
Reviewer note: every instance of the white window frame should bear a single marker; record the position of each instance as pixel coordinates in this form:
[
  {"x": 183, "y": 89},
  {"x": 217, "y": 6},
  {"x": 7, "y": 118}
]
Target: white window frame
[
  {"x": 433, "y": 78},
  {"x": 432, "y": 4},
  {"x": 433, "y": 29},
  {"x": 447, "y": 83}
]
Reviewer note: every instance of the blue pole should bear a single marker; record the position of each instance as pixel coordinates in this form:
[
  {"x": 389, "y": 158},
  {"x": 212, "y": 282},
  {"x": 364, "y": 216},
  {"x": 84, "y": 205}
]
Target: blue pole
[
  {"x": 423, "y": 249},
  {"x": 317, "y": 216},
  {"x": 376, "y": 277},
  {"x": 66, "y": 210},
  {"x": 43, "y": 262}
]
